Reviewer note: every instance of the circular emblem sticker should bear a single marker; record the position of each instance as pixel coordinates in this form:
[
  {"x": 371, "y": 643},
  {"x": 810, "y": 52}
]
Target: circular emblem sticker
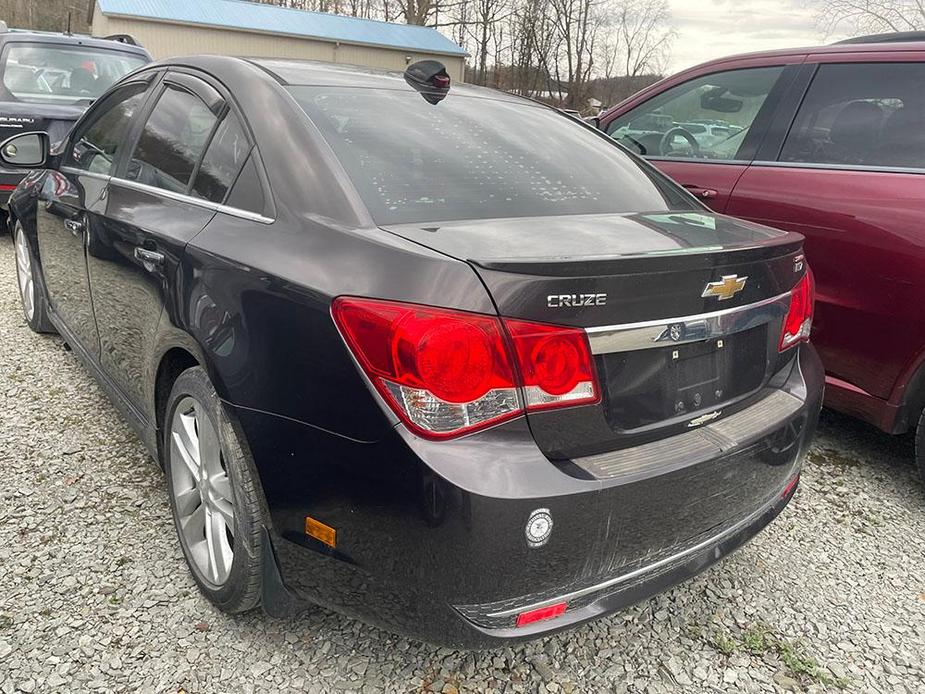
[{"x": 539, "y": 527}]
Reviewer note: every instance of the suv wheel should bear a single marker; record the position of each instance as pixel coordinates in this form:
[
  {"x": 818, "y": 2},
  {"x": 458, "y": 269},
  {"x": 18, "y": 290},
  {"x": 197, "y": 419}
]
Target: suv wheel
[
  {"x": 214, "y": 495},
  {"x": 31, "y": 290}
]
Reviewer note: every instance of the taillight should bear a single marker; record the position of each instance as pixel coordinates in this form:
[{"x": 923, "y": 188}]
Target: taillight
[
  {"x": 555, "y": 364},
  {"x": 446, "y": 372},
  {"x": 799, "y": 319}
]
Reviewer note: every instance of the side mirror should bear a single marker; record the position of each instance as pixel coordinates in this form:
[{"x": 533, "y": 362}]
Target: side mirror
[
  {"x": 26, "y": 150},
  {"x": 593, "y": 121}
]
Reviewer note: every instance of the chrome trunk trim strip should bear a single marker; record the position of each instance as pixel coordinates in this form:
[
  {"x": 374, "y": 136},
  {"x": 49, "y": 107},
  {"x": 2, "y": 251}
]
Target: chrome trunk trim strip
[{"x": 677, "y": 331}]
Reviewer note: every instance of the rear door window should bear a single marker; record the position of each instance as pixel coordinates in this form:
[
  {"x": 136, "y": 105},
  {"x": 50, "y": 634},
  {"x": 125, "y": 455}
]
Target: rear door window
[
  {"x": 861, "y": 115},
  {"x": 223, "y": 160},
  {"x": 707, "y": 118},
  {"x": 172, "y": 142}
]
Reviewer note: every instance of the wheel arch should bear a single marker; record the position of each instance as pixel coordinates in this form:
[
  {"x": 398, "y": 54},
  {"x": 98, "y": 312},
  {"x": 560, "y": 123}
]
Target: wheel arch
[{"x": 909, "y": 395}]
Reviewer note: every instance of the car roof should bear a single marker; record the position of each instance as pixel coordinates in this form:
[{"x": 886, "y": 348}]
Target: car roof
[
  {"x": 832, "y": 49},
  {"x": 294, "y": 72},
  {"x": 14, "y": 35}
]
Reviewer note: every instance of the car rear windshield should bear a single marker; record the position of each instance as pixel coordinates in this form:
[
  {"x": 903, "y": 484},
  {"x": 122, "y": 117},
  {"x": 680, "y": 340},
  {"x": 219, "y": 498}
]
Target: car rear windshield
[
  {"x": 56, "y": 74},
  {"x": 477, "y": 158}
]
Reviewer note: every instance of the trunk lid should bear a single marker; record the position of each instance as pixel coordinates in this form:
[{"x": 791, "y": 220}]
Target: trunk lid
[{"x": 679, "y": 361}]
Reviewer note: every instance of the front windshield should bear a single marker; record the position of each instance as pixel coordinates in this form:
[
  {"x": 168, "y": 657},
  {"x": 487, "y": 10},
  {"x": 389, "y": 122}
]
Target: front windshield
[
  {"x": 56, "y": 74},
  {"x": 470, "y": 157}
]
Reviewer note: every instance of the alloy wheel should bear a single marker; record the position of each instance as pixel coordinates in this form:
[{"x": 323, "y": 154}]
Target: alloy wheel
[
  {"x": 24, "y": 274},
  {"x": 201, "y": 491}
]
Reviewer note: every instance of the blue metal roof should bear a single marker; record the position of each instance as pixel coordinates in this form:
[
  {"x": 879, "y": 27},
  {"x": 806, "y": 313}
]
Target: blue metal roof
[{"x": 252, "y": 16}]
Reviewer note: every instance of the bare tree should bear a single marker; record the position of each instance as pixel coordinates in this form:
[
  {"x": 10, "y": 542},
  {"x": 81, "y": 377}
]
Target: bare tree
[
  {"x": 645, "y": 34},
  {"x": 870, "y": 16}
]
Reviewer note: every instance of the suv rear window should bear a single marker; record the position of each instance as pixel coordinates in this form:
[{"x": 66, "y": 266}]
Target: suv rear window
[
  {"x": 57, "y": 74},
  {"x": 476, "y": 158}
]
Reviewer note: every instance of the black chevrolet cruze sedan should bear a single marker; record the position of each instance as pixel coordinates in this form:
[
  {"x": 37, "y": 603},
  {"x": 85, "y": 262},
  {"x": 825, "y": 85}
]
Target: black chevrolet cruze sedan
[{"x": 432, "y": 355}]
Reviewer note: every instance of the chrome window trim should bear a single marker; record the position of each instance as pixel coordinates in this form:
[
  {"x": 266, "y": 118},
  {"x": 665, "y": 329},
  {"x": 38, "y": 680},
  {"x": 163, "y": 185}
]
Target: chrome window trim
[
  {"x": 695, "y": 160},
  {"x": 838, "y": 167},
  {"x": 189, "y": 199},
  {"x": 630, "y": 337},
  {"x": 74, "y": 171}
]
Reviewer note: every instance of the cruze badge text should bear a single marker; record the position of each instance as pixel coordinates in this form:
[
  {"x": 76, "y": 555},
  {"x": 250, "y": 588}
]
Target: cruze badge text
[
  {"x": 726, "y": 288},
  {"x": 575, "y": 300}
]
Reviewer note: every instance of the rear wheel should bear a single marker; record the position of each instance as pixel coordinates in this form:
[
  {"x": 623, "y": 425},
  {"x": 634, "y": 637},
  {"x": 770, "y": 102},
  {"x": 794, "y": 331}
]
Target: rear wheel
[
  {"x": 920, "y": 446},
  {"x": 214, "y": 495},
  {"x": 31, "y": 291}
]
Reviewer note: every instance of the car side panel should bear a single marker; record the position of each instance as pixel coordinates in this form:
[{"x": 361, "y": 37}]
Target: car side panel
[
  {"x": 257, "y": 299},
  {"x": 866, "y": 246},
  {"x": 712, "y": 183},
  {"x": 128, "y": 292}
]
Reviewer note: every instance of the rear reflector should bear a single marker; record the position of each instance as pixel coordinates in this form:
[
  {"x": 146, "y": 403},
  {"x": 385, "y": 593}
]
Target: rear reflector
[
  {"x": 538, "y": 615},
  {"x": 791, "y": 486},
  {"x": 799, "y": 320},
  {"x": 7, "y": 186},
  {"x": 446, "y": 372}
]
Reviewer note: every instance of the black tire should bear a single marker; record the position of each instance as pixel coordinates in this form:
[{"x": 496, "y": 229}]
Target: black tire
[
  {"x": 39, "y": 322},
  {"x": 920, "y": 446},
  {"x": 241, "y": 590}
]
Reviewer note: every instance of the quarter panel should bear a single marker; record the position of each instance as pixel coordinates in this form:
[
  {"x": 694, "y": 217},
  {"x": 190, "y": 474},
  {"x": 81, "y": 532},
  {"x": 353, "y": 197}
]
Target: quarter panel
[{"x": 258, "y": 299}]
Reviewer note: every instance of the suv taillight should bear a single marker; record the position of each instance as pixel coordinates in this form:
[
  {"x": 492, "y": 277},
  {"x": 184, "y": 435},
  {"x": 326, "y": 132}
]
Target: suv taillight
[
  {"x": 799, "y": 319},
  {"x": 447, "y": 373}
]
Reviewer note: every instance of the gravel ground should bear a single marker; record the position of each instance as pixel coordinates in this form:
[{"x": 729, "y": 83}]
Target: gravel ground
[{"x": 94, "y": 594}]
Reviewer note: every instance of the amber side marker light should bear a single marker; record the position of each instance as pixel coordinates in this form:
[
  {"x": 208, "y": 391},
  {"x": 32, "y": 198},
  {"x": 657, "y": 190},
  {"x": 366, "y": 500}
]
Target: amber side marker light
[
  {"x": 320, "y": 531},
  {"x": 538, "y": 615}
]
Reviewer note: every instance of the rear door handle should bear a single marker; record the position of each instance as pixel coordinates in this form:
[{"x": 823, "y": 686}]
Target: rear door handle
[
  {"x": 74, "y": 226},
  {"x": 702, "y": 193},
  {"x": 151, "y": 260}
]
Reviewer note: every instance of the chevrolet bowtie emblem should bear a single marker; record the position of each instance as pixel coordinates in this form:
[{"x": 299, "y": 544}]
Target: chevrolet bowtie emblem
[{"x": 726, "y": 288}]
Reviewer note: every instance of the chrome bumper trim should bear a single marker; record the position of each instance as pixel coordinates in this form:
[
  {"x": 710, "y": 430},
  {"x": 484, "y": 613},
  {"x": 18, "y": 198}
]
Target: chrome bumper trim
[{"x": 676, "y": 331}]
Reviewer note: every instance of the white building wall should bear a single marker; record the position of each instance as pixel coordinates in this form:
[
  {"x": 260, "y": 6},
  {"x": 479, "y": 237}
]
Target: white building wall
[{"x": 165, "y": 40}]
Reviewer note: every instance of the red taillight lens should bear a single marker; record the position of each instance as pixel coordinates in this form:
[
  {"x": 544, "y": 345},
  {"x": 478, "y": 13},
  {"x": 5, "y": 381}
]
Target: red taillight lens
[
  {"x": 799, "y": 319},
  {"x": 446, "y": 372},
  {"x": 555, "y": 364},
  {"x": 443, "y": 372},
  {"x": 551, "y": 612}
]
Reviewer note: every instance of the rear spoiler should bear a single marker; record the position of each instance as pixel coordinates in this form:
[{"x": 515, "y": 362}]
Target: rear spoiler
[{"x": 127, "y": 39}]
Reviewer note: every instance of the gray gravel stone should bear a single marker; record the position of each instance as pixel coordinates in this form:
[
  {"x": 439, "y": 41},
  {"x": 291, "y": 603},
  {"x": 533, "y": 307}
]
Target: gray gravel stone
[{"x": 95, "y": 596}]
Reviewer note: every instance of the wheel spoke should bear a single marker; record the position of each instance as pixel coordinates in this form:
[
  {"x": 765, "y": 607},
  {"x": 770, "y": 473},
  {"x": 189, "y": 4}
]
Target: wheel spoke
[
  {"x": 220, "y": 554},
  {"x": 226, "y": 511},
  {"x": 194, "y": 527},
  {"x": 187, "y": 502},
  {"x": 221, "y": 485},
  {"x": 210, "y": 450},
  {"x": 180, "y": 445}
]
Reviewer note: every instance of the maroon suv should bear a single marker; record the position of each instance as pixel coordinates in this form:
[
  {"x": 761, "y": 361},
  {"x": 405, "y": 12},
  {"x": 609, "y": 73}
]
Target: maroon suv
[{"x": 828, "y": 142}]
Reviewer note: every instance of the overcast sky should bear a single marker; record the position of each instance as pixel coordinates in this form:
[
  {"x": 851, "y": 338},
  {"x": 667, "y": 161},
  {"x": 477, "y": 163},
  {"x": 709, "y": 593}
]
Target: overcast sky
[{"x": 710, "y": 29}]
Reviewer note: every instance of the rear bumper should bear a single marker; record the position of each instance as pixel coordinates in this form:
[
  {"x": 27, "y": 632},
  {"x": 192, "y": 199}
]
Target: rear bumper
[
  {"x": 619, "y": 592},
  {"x": 431, "y": 536}
]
